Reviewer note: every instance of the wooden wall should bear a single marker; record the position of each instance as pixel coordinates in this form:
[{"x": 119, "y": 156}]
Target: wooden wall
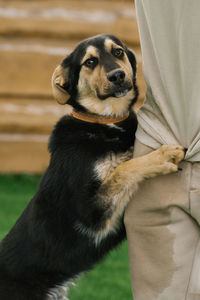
[{"x": 34, "y": 37}]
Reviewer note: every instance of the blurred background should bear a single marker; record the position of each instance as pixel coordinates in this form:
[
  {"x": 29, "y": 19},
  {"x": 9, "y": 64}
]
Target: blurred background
[{"x": 35, "y": 36}]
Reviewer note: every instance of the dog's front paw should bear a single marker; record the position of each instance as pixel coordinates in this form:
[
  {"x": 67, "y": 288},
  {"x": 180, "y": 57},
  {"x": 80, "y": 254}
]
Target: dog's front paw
[
  {"x": 171, "y": 153},
  {"x": 169, "y": 156},
  {"x": 165, "y": 160}
]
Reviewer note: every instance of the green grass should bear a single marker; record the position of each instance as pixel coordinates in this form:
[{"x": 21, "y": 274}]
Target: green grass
[
  {"x": 15, "y": 193},
  {"x": 110, "y": 280}
]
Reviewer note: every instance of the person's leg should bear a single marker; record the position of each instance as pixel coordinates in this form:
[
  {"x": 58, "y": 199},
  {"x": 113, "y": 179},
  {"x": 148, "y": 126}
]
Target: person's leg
[
  {"x": 194, "y": 284},
  {"x": 163, "y": 238}
]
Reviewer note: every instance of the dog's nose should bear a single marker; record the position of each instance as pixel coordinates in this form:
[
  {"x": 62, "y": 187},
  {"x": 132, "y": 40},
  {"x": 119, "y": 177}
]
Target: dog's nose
[{"x": 116, "y": 76}]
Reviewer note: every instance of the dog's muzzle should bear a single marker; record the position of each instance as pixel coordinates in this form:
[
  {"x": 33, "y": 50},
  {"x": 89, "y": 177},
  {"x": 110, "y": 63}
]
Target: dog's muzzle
[
  {"x": 120, "y": 86},
  {"x": 117, "y": 77}
]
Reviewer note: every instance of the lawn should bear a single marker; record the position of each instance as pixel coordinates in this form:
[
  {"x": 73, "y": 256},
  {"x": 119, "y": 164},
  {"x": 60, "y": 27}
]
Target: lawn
[{"x": 110, "y": 280}]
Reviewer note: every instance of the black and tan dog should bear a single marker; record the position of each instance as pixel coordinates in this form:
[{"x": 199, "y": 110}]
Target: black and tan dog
[{"x": 75, "y": 218}]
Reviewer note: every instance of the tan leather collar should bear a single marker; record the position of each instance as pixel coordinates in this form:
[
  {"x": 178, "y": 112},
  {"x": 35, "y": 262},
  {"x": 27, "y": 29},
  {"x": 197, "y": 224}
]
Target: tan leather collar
[{"x": 93, "y": 118}]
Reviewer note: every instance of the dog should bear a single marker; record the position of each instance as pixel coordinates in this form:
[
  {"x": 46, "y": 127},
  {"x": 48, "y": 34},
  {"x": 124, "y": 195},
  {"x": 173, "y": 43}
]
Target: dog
[{"x": 76, "y": 216}]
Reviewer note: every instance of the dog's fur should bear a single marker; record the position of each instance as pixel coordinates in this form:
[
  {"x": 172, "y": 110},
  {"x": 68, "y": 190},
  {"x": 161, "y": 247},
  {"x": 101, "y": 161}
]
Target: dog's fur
[{"x": 75, "y": 218}]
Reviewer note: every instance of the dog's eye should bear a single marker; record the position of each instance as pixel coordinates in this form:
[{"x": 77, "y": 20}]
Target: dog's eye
[
  {"x": 91, "y": 62},
  {"x": 118, "y": 52}
]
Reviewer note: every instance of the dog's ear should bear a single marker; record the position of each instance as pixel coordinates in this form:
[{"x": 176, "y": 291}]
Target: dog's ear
[
  {"x": 132, "y": 60},
  {"x": 59, "y": 83}
]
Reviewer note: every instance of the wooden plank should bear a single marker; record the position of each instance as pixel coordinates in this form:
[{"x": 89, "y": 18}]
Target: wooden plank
[{"x": 23, "y": 157}]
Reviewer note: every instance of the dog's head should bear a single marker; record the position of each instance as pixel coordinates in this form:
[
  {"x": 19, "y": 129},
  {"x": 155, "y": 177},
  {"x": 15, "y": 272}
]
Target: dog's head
[{"x": 98, "y": 77}]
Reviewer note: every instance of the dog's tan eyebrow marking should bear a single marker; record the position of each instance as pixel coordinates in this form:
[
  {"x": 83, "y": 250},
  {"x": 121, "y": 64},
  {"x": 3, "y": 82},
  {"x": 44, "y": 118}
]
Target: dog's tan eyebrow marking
[
  {"x": 90, "y": 52},
  {"x": 109, "y": 45}
]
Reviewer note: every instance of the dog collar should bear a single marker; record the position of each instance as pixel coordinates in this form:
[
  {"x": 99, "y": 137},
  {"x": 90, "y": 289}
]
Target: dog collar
[{"x": 102, "y": 120}]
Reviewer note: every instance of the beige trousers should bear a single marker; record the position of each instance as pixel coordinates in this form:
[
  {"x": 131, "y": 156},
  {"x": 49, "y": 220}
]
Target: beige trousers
[{"x": 163, "y": 231}]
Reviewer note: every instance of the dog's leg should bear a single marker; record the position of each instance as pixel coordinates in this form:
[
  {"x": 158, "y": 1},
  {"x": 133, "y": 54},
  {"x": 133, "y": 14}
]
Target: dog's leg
[
  {"x": 128, "y": 174},
  {"x": 122, "y": 183}
]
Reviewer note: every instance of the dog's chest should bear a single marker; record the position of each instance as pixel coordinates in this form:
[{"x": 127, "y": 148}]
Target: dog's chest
[{"x": 104, "y": 167}]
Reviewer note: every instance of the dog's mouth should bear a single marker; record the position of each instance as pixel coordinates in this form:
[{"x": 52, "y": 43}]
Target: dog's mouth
[
  {"x": 121, "y": 93},
  {"x": 116, "y": 93}
]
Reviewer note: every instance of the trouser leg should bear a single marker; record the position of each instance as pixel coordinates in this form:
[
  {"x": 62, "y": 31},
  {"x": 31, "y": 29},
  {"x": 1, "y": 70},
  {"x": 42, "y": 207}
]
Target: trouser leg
[{"x": 163, "y": 238}]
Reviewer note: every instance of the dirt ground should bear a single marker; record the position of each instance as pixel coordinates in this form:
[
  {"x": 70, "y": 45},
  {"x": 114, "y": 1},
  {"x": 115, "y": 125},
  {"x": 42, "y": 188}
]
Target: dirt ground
[{"x": 34, "y": 37}]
